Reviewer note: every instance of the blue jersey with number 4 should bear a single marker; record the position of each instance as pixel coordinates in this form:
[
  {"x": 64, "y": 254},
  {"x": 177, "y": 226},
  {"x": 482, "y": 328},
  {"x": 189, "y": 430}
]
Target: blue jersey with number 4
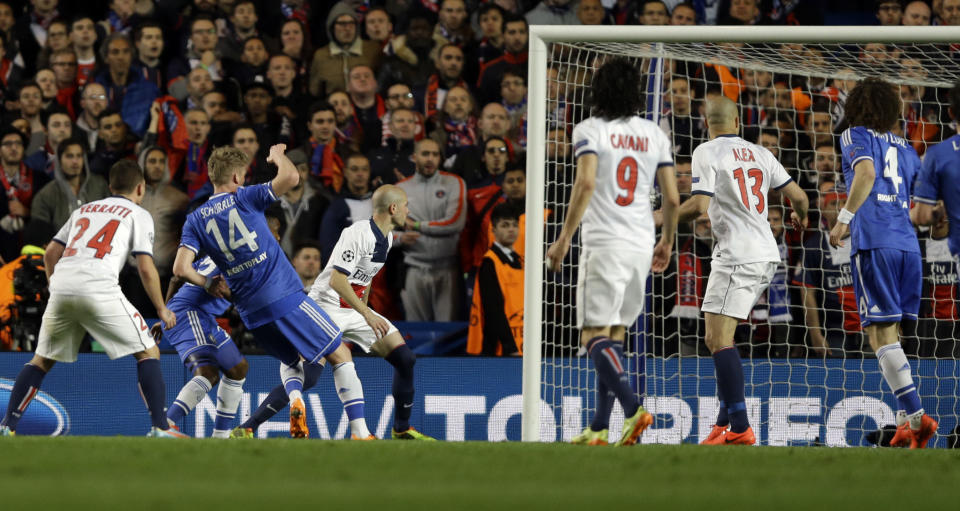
[
  {"x": 883, "y": 221},
  {"x": 231, "y": 229}
]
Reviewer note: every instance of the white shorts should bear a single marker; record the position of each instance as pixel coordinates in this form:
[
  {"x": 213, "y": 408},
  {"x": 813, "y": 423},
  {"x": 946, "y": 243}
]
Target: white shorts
[
  {"x": 110, "y": 319},
  {"x": 611, "y": 287},
  {"x": 355, "y": 328},
  {"x": 734, "y": 290}
]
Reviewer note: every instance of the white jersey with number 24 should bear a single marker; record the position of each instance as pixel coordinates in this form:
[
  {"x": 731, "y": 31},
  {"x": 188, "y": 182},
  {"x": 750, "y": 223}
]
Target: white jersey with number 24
[
  {"x": 629, "y": 152},
  {"x": 97, "y": 240}
]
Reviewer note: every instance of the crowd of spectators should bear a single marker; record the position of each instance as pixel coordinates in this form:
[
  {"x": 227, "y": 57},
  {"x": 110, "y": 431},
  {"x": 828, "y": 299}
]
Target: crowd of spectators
[{"x": 430, "y": 94}]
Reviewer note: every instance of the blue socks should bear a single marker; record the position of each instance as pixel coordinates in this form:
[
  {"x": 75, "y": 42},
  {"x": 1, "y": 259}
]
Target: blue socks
[
  {"x": 723, "y": 419},
  {"x": 729, "y": 370},
  {"x": 277, "y": 399},
  {"x": 402, "y": 359},
  {"x": 24, "y": 390},
  {"x": 608, "y": 362},
  {"x": 605, "y": 399},
  {"x": 150, "y": 380}
]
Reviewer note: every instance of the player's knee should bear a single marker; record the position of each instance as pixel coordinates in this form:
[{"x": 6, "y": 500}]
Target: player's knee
[
  {"x": 715, "y": 342},
  {"x": 210, "y": 373},
  {"x": 239, "y": 371},
  {"x": 311, "y": 373},
  {"x": 403, "y": 359},
  {"x": 43, "y": 363}
]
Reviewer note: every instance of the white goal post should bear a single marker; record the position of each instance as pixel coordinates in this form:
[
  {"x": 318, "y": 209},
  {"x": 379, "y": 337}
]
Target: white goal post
[{"x": 616, "y": 40}]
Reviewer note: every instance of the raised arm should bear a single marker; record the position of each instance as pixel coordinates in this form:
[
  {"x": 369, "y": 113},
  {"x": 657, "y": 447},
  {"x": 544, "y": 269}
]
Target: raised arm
[
  {"x": 583, "y": 188},
  {"x": 287, "y": 175}
]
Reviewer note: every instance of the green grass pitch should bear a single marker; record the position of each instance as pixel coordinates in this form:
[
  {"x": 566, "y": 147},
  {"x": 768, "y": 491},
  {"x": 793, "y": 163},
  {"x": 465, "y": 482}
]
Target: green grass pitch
[{"x": 96, "y": 473}]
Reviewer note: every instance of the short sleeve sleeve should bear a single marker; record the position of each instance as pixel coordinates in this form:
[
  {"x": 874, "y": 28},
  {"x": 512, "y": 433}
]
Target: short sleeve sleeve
[
  {"x": 189, "y": 238},
  {"x": 64, "y": 232},
  {"x": 347, "y": 252},
  {"x": 778, "y": 175},
  {"x": 926, "y": 190},
  {"x": 856, "y": 145},
  {"x": 585, "y": 139},
  {"x": 143, "y": 234},
  {"x": 665, "y": 150},
  {"x": 257, "y": 197},
  {"x": 704, "y": 177}
]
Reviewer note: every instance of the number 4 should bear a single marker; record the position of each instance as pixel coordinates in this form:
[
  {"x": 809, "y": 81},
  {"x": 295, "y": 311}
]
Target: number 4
[{"x": 891, "y": 170}]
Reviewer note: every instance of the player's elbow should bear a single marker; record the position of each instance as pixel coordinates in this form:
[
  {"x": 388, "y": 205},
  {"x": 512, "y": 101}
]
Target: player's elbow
[
  {"x": 671, "y": 200},
  {"x": 180, "y": 269},
  {"x": 864, "y": 169}
]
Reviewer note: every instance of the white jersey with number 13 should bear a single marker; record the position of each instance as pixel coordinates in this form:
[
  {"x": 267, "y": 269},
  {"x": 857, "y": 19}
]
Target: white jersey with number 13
[{"x": 738, "y": 175}]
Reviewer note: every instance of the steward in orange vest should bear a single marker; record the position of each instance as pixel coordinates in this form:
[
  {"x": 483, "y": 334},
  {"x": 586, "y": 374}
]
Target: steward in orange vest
[{"x": 496, "y": 314}]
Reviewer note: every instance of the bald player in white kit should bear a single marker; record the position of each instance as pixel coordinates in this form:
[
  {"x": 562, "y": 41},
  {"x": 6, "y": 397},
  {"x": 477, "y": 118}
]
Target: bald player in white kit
[
  {"x": 731, "y": 178},
  {"x": 618, "y": 156}
]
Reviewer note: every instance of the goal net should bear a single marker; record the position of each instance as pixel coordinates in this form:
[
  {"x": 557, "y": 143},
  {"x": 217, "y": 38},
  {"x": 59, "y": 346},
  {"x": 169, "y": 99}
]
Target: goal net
[{"x": 811, "y": 377}]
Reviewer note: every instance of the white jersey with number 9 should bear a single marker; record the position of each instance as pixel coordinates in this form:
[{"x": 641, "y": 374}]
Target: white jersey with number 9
[
  {"x": 629, "y": 152},
  {"x": 97, "y": 240}
]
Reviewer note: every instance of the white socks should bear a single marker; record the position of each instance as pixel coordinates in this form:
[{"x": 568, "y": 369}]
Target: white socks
[
  {"x": 229, "y": 393},
  {"x": 350, "y": 391}
]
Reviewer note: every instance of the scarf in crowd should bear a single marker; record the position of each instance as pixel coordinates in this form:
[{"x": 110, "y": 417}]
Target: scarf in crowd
[
  {"x": 690, "y": 282},
  {"x": 195, "y": 175},
  {"x": 431, "y": 103},
  {"x": 44, "y": 22},
  {"x": 5, "y": 68},
  {"x": 117, "y": 24},
  {"x": 22, "y": 188},
  {"x": 350, "y": 133},
  {"x": 325, "y": 164},
  {"x": 460, "y": 134}
]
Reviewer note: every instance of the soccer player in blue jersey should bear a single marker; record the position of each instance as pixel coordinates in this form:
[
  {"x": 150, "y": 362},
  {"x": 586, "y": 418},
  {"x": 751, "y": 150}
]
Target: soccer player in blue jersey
[
  {"x": 940, "y": 180},
  {"x": 879, "y": 169},
  {"x": 231, "y": 229},
  {"x": 205, "y": 349}
]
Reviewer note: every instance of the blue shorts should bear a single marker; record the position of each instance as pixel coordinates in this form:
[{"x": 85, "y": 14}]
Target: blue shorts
[
  {"x": 200, "y": 341},
  {"x": 304, "y": 331},
  {"x": 887, "y": 283}
]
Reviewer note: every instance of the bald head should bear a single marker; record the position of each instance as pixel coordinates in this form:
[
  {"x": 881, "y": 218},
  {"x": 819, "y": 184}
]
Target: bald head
[
  {"x": 386, "y": 196},
  {"x": 722, "y": 116}
]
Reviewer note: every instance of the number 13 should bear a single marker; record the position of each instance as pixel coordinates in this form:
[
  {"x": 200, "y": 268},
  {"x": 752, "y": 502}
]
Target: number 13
[{"x": 757, "y": 176}]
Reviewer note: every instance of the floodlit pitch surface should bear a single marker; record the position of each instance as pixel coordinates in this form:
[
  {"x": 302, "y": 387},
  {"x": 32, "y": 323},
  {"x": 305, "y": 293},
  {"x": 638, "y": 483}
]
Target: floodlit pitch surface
[{"x": 140, "y": 473}]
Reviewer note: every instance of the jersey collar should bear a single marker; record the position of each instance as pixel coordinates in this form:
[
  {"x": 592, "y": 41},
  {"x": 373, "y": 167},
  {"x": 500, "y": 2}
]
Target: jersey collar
[
  {"x": 728, "y": 135},
  {"x": 381, "y": 247}
]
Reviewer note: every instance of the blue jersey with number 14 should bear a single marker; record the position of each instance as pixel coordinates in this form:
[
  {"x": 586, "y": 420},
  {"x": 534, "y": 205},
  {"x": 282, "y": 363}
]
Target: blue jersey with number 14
[
  {"x": 883, "y": 221},
  {"x": 231, "y": 229}
]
